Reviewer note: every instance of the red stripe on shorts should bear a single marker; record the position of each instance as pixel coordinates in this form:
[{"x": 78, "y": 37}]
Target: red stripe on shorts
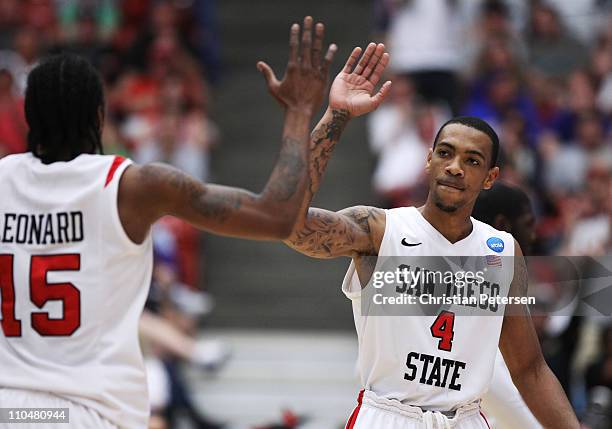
[
  {"x": 111, "y": 171},
  {"x": 485, "y": 419},
  {"x": 351, "y": 421}
]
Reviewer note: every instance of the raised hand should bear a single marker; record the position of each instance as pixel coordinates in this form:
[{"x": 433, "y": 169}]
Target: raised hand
[
  {"x": 303, "y": 86},
  {"x": 352, "y": 89}
]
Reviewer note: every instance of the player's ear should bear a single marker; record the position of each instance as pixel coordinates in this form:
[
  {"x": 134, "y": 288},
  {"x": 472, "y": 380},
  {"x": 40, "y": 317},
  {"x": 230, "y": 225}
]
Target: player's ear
[
  {"x": 428, "y": 160},
  {"x": 491, "y": 177}
]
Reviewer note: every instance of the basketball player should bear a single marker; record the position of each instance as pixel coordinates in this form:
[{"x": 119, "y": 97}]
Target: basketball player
[
  {"x": 401, "y": 359},
  {"x": 75, "y": 243},
  {"x": 507, "y": 208}
]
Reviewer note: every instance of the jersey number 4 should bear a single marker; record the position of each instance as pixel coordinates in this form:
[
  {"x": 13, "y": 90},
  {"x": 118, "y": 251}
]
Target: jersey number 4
[
  {"x": 41, "y": 292},
  {"x": 442, "y": 328}
]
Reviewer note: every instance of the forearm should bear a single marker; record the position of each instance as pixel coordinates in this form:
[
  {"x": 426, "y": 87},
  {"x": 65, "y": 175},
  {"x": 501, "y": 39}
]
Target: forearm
[
  {"x": 323, "y": 141},
  {"x": 545, "y": 397},
  {"x": 284, "y": 192},
  {"x": 322, "y": 144}
]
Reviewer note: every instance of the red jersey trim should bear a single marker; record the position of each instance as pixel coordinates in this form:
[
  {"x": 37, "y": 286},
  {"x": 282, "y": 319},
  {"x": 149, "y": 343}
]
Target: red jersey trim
[
  {"x": 113, "y": 168},
  {"x": 485, "y": 419},
  {"x": 353, "y": 419}
]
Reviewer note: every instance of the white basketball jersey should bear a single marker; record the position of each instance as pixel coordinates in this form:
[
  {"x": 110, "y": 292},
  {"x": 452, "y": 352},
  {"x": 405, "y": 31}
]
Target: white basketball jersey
[
  {"x": 73, "y": 286},
  {"x": 443, "y": 359}
]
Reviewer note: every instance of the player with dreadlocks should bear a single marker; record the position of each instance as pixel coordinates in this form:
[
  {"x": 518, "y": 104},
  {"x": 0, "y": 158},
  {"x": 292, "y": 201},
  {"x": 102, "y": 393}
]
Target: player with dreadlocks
[
  {"x": 64, "y": 109},
  {"x": 75, "y": 243}
]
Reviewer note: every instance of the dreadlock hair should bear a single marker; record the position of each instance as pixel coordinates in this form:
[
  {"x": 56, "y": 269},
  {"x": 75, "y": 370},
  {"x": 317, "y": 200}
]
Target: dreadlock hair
[
  {"x": 477, "y": 124},
  {"x": 502, "y": 199},
  {"x": 64, "y": 103}
]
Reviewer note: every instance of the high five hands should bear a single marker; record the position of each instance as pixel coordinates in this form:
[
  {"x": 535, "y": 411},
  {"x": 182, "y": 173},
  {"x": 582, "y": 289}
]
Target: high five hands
[
  {"x": 303, "y": 86},
  {"x": 353, "y": 87},
  {"x": 305, "y": 80}
]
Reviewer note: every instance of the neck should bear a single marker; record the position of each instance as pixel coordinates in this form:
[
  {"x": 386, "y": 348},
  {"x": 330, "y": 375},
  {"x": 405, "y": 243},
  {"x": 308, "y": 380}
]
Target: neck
[{"x": 453, "y": 226}]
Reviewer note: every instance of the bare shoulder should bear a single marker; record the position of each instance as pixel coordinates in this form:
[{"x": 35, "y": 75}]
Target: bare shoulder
[{"x": 144, "y": 194}]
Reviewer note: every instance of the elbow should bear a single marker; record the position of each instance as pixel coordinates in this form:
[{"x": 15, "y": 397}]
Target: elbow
[
  {"x": 279, "y": 222},
  {"x": 283, "y": 231},
  {"x": 279, "y": 227}
]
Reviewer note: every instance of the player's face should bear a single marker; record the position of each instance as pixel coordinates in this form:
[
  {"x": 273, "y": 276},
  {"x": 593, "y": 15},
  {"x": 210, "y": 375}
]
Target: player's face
[{"x": 458, "y": 167}]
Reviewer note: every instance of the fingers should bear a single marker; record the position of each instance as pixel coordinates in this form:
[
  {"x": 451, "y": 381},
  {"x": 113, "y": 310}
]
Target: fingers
[
  {"x": 268, "y": 74},
  {"x": 380, "y": 96},
  {"x": 352, "y": 60},
  {"x": 317, "y": 46},
  {"x": 294, "y": 44},
  {"x": 380, "y": 69},
  {"x": 365, "y": 58},
  {"x": 329, "y": 57},
  {"x": 373, "y": 61},
  {"x": 305, "y": 52}
]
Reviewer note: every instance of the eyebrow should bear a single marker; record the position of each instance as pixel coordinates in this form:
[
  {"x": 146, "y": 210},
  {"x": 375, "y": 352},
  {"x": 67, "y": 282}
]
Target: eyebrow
[
  {"x": 476, "y": 152},
  {"x": 470, "y": 151},
  {"x": 446, "y": 144}
]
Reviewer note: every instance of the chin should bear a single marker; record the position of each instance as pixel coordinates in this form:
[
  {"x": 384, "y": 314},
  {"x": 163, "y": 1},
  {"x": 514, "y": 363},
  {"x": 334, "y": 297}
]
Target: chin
[
  {"x": 446, "y": 204},
  {"x": 448, "y": 208}
]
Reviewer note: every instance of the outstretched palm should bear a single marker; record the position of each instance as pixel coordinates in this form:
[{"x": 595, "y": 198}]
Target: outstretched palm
[{"x": 352, "y": 89}]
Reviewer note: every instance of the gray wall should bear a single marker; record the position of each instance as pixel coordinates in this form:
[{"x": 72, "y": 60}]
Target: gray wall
[{"x": 266, "y": 285}]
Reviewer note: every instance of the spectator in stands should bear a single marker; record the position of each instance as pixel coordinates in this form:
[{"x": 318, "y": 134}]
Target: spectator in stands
[
  {"x": 599, "y": 373},
  {"x": 425, "y": 43},
  {"x": 588, "y": 226},
  {"x": 494, "y": 33},
  {"x": 578, "y": 98},
  {"x": 400, "y": 133},
  {"x": 504, "y": 94},
  {"x": 13, "y": 127},
  {"x": 566, "y": 166},
  {"x": 553, "y": 50}
]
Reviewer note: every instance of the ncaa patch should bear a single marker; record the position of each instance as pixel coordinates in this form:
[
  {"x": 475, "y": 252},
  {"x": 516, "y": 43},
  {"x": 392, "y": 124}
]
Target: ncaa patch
[{"x": 495, "y": 244}]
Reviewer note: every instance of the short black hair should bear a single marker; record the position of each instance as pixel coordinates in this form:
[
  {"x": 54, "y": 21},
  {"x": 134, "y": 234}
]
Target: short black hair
[
  {"x": 502, "y": 199},
  {"x": 477, "y": 124},
  {"x": 63, "y": 101}
]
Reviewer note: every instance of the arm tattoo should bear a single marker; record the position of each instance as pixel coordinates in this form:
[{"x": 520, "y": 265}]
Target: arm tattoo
[
  {"x": 329, "y": 234},
  {"x": 216, "y": 205},
  {"x": 207, "y": 201},
  {"x": 323, "y": 142},
  {"x": 288, "y": 171}
]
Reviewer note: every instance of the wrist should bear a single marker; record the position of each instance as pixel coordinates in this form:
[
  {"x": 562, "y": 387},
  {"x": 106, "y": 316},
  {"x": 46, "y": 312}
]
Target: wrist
[
  {"x": 300, "y": 110},
  {"x": 339, "y": 112},
  {"x": 343, "y": 109}
]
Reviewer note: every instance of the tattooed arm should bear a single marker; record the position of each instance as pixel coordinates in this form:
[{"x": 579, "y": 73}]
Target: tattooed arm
[
  {"x": 357, "y": 230},
  {"x": 354, "y": 231},
  {"x": 149, "y": 192}
]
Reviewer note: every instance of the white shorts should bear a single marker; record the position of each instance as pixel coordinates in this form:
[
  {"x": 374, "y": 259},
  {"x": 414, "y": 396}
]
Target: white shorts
[
  {"x": 374, "y": 412},
  {"x": 79, "y": 415}
]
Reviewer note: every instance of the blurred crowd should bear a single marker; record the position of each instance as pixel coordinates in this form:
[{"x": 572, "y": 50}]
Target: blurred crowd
[
  {"x": 540, "y": 72},
  {"x": 158, "y": 61}
]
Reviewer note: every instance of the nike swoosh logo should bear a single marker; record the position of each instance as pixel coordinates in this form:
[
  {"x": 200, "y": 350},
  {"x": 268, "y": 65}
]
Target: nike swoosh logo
[{"x": 405, "y": 243}]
